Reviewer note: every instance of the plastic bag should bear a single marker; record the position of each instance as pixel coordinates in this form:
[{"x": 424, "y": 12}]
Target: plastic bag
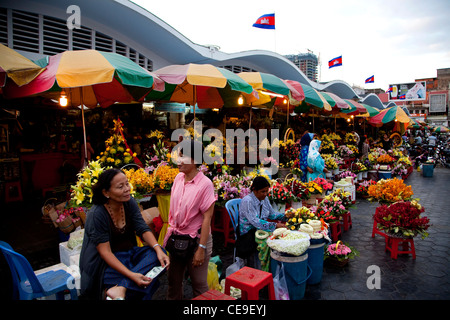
[
  {"x": 280, "y": 285},
  {"x": 237, "y": 265},
  {"x": 76, "y": 239},
  {"x": 213, "y": 277}
]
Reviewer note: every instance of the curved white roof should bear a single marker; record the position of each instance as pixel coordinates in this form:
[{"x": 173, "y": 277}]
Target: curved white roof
[{"x": 137, "y": 27}]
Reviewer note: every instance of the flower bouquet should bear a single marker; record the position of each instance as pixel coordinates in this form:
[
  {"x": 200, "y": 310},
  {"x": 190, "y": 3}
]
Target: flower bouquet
[
  {"x": 358, "y": 167},
  {"x": 338, "y": 254},
  {"x": 375, "y": 153},
  {"x": 385, "y": 159},
  {"x": 388, "y": 191},
  {"x": 353, "y": 149},
  {"x": 298, "y": 216},
  {"x": 327, "y": 146},
  {"x": 314, "y": 187},
  {"x": 330, "y": 209},
  {"x": 324, "y": 184},
  {"x": 163, "y": 177},
  {"x": 81, "y": 192},
  {"x": 288, "y": 151},
  {"x": 344, "y": 196},
  {"x": 117, "y": 152},
  {"x": 344, "y": 151},
  {"x": 330, "y": 162},
  {"x": 298, "y": 189},
  {"x": 296, "y": 171},
  {"x": 347, "y": 174},
  {"x": 279, "y": 194},
  {"x": 363, "y": 188},
  {"x": 229, "y": 187},
  {"x": 402, "y": 219},
  {"x": 350, "y": 138},
  {"x": 142, "y": 182}
]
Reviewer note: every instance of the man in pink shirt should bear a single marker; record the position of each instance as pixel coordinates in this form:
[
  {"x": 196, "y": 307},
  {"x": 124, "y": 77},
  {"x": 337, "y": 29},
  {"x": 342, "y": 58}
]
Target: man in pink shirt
[{"x": 191, "y": 209}]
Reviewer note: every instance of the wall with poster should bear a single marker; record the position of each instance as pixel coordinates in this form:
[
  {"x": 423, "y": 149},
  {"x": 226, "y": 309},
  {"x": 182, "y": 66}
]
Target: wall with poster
[{"x": 414, "y": 91}]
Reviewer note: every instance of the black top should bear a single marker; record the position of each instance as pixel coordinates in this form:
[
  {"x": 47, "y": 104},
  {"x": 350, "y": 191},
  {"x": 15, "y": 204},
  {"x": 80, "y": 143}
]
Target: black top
[{"x": 99, "y": 228}]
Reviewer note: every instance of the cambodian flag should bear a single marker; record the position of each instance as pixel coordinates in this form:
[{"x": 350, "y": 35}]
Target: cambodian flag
[
  {"x": 370, "y": 79},
  {"x": 389, "y": 90},
  {"x": 336, "y": 62},
  {"x": 266, "y": 21},
  {"x": 403, "y": 96}
]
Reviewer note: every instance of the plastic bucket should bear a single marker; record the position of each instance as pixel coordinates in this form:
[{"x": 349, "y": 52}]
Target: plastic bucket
[
  {"x": 315, "y": 260},
  {"x": 427, "y": 170},
  {"x": 296, "y": 271},
  {"x": 384, "y": 175}
]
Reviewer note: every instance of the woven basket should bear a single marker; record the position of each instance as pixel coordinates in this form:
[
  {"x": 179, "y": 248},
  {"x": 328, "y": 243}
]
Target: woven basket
[
  {"x": 66, "y": 225},
  {"x": 334, "y": 262}
]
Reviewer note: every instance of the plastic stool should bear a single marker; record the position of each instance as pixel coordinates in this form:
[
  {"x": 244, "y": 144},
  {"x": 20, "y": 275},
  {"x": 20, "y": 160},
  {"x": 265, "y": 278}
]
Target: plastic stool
[
  {"x": 221, "y": 223},
  {"x": 336, "y": 231},
  {"x": 13, "y": 191},
  {"x": 347, "y": 220},
  {"x": 376, "y": 231},
  {"x": 392, "y": 245},
  {"x": 250, "y": 281},
  {"x": 213, "y": 295}
]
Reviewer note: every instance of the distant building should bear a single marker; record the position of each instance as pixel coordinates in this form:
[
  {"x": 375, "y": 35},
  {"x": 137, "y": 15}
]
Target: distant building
[{"x": 307, "y": 63}]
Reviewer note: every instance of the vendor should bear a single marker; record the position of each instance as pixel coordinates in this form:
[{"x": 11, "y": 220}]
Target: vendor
[
  {"x": 254, "y": 211},
  {"x": 315, "y": 161},
  {"x": 304, "y": 145},
  {"x": 110, "y": 261}
]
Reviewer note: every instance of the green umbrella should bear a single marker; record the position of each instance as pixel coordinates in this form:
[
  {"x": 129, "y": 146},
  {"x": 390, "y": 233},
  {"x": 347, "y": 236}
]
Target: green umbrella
[{"x": 441, "y": 129}]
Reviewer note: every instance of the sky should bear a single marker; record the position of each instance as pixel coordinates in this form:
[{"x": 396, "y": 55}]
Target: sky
[{"x": 396, "y": 41}]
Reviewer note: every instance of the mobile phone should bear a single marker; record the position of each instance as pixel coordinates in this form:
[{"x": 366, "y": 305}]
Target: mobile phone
[{"x": 155, "y": 272}]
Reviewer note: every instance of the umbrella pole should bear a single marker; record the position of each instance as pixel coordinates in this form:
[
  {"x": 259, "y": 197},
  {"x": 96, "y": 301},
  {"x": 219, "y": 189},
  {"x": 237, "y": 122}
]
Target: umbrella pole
[
  {"x": 250, "y": 121},
  {"x": 287, "y": 114},
  {"x": 84, "y": 125}
]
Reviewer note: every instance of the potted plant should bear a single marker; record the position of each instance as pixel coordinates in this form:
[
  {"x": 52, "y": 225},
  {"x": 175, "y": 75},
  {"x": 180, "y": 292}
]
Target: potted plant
[
  {"x": 338, "y": 254},
  {"x": 402, "y": 219}
]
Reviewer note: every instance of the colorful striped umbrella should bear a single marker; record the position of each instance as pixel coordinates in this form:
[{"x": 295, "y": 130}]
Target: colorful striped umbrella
[
  {"x": 15, "y": 66},
  {"x": 441, "y": 129},
  {"x": 206, "y": 85},
  {"x": 336, "y": 101},
  {"x": 88, "y": 78},
  {"x": 395, "y": 113},
  {"x": 370, "y": 111},
  {"x": 311, "y": 95}
]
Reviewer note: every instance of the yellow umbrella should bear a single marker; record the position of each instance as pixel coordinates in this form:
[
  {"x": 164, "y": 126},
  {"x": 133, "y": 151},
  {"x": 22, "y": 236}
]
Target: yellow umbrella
[{"x": 14, "y": 65}]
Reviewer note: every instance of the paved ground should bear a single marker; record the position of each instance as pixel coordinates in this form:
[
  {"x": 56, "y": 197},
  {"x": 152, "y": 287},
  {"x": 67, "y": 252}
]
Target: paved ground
[{"x": 425, "y": 278}]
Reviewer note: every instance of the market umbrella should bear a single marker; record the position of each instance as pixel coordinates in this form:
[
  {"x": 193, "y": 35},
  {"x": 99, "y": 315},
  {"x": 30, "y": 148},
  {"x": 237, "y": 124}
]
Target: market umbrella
[
  {"x": 413, "y": 123},
  {"x": 206, "y": 85},
  {"x": 88, "y": 78},
  {"x": 334, "y": 100},
  {"x": 15, "y": 66},
  {"x": 269, "y": 85},
  {"x": 441, "y": 129},
  {"x": 395, "y": 113}
]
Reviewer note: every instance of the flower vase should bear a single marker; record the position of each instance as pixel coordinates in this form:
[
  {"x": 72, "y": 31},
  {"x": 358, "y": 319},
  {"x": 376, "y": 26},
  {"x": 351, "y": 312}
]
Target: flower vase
[
  {"x": 336, "y": 171},
  {"x": 279, "y": 207},
  {"x": 296, "y": 204},
  {"x": 364, "y": 174}
]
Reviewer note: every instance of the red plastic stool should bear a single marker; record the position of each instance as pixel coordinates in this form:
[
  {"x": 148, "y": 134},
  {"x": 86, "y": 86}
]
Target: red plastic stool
[
  {"x": 376, "y": 231},
  {"x": 336, "y": 230},
  {"x": 250, "y": 281},
  {"x": 213, "y": 295},
  {"x": 392, "y": 245},
  {"x": 221, "y": 222},
  {"x": 347, "y": 221},
  {"x": 13, "y": 191}
]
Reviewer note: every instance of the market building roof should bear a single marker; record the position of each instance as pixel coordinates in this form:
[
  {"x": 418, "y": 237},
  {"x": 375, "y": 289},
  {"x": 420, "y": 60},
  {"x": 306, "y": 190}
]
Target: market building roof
[{"x": 138, "y": 34}]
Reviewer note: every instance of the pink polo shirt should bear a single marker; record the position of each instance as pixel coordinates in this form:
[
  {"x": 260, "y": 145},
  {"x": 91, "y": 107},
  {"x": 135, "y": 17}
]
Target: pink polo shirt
[{"x": 188, "y": 202}]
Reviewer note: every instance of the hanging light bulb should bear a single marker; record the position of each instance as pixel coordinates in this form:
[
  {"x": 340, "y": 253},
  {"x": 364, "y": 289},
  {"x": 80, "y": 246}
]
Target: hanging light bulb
[
  {"x": 63, "y": 100},
  {"x": 240, "y": 100}
]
